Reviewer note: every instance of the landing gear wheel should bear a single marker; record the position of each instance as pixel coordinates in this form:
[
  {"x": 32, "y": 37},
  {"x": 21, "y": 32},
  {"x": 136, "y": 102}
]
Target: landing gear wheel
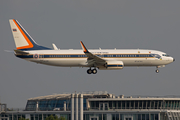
[
  {"x": 94, "y": 71},
  {"x": 89, "y": 71},
  {"x": 157, "y": 71}
]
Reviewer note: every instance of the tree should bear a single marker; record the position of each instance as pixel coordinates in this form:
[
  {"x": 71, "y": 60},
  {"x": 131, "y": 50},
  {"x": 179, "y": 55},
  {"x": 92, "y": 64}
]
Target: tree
[
  {"x": 23, "y": 118},
  {"x": 56, "y": 117},
  {"x": 51, "y": 117},
  {"x": 62, "y": 118}
]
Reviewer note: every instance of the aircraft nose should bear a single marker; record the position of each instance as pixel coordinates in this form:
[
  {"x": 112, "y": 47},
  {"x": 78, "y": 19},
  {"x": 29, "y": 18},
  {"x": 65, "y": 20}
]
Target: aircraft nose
[{"x": 173, "y": 59}]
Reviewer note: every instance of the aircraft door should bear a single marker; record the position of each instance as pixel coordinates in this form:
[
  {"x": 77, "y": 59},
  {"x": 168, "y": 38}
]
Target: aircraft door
[{"x": 41, "y": 58}]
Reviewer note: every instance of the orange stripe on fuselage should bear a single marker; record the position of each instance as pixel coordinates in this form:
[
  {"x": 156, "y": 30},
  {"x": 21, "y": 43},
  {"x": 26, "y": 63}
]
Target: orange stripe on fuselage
[{"x": 27, "y": 39}]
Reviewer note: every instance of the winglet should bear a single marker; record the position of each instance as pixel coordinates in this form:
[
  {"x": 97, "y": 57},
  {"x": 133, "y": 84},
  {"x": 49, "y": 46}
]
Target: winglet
[
  {"x": 84, "y": 48},
  {"x": 54, "y": 46}
]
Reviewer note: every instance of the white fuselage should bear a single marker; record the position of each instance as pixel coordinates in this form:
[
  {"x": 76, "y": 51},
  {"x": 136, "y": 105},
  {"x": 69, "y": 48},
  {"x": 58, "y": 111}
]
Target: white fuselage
[
  {"x": 103, "y": 59},
  {"x": 77, "y": 58}
]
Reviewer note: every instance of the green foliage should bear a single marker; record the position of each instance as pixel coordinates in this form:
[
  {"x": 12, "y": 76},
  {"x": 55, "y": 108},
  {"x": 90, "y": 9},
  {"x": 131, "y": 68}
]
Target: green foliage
[
  {"x": 56, "y": 117},
  {"x": 23, "y": 118},
  {"x": 51, "y": 117},
  {"x": 62, "y": 118}
]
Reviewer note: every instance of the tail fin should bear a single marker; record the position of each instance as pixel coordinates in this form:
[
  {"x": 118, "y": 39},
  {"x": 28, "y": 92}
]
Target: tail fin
[{"x": 22, "y": 39}]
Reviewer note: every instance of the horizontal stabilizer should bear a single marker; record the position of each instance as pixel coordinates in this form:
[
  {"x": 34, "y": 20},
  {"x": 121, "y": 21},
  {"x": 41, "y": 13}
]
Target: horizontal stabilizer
[
  {"x": 8, "y": 51},
  {"x": 20, "y": 52}
]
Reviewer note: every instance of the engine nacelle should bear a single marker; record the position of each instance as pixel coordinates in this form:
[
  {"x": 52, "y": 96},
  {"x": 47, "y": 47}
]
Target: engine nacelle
[{"x": 112, "y": 65}]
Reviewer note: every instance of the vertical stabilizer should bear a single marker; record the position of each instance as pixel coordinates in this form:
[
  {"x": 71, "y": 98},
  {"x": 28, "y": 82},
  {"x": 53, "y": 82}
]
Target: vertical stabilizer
[{"x": 22, "y": 39}]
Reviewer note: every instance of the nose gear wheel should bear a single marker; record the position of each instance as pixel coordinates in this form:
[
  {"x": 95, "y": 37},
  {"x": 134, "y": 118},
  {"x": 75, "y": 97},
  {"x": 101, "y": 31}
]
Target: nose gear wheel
[{"x": 157, "y": 70}]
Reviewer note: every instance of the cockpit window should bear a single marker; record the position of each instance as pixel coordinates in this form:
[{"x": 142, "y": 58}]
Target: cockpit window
[
  {"x": 166, "y": 55},
  {"x": 156, "y": 56}
]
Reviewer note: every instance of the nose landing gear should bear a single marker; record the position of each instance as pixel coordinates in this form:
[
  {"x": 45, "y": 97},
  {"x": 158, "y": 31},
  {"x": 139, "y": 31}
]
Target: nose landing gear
[
  {"x": 92, "y": 71},
  {"x": 157, "y": 70}
]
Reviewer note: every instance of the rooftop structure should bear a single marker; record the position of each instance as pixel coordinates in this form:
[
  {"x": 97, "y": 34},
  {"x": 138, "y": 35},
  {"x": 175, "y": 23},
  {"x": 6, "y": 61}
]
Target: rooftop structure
[{"x": 98, "y": 106}]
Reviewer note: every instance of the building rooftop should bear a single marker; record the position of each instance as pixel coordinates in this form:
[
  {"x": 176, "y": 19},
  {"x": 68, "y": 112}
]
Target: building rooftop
[
  {"x": 105, "y": 96},
  {"x": 94, "y": 94}
]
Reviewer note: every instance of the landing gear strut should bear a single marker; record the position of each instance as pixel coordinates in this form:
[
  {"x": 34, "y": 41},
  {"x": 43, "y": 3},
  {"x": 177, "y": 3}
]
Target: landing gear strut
[
  {"x": 93, "y": 71},
  {"x": 157, "y": 70}
]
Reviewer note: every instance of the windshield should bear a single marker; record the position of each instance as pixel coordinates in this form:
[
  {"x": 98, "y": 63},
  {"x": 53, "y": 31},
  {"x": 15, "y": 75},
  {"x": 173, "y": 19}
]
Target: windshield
[
  {"x": 166, "y": 55},
  {"x": 156, "y": 56}
]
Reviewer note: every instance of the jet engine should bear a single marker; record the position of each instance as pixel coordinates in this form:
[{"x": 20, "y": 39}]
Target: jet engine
[{"x": 112, "y": 65}]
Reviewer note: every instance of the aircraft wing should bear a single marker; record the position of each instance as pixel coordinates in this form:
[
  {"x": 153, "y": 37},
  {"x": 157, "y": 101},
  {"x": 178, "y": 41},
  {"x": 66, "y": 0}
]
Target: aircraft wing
[{"x": 92, "y": 60}]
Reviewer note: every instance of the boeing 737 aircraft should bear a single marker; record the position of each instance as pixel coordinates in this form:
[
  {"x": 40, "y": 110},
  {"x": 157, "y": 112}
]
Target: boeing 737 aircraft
[{"x": 103, "y": 59}]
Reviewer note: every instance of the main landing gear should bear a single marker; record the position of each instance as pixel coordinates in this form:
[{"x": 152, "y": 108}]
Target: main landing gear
[{"x": 92, "y": 71}]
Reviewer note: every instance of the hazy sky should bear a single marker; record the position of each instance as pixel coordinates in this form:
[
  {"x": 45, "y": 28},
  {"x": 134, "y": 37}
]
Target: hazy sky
[{"x": 146, "y": 24}]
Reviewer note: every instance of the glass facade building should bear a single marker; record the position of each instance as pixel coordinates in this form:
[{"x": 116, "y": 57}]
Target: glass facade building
[
  {"x": 136, "y": 104},
  {"x": 96, "y": 107}
]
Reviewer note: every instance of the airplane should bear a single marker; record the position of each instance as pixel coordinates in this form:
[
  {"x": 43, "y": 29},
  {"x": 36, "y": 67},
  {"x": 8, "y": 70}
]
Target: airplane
[{"x": 103, "y": 59}]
